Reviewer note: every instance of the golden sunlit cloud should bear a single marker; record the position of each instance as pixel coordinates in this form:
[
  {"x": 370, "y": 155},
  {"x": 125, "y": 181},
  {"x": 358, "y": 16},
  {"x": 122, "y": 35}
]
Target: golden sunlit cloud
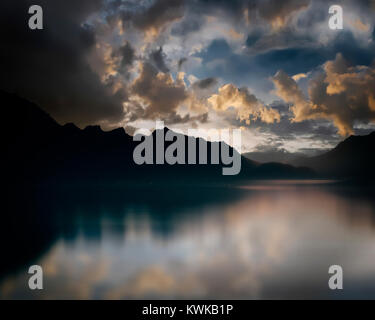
[
  {"x": 359, "y": 25},
  {"x": 341, "y": 93},
  {"x": 299, "y": 76},
  {"x": 248, "y": 107}
]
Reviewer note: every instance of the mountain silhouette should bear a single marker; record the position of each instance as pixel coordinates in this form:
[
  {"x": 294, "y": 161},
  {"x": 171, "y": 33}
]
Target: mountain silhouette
[
  {"x": 38, "y": 149},
  {"x": 352, "y": 158}
]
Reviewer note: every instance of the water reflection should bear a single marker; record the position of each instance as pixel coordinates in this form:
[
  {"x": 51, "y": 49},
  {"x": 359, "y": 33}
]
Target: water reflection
[{"x": 266, "y": 240}]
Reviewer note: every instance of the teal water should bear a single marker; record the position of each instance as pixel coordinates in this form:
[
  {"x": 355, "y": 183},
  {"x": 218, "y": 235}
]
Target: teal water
[{"x": 270, "y": 240}]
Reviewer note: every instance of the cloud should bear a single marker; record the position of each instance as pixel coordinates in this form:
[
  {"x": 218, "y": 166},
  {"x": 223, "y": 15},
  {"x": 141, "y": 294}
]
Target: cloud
[
  {"x": 340, "y": 92},
  {"x": 304, "y": 136},
  {"x": 187, "y": 118},
  {"x": 299, "y": 76},
  {"x": 157, "y": 57},
  {"x": 150, "y": 281},
  {"x": 181, "y": 62},
  {"x": 159, "y": 91},
  {"x": 159, "y": 96},
  {"x": 150, "y": 19},
  {"x": 287, "y": 38},
  {"x": 50, "y": 66},
  {"x": 288, "y": 90},
  {"x": 189, "y": 24},
  {"x": 127, "y": 54},
  {"x": 118, "y": 61},
  {"x": 359, "y": 25},
  {"x": 248, "y": 107},
  {"x": 277, "y": 13},
  {"x": 205, "y": 83}
]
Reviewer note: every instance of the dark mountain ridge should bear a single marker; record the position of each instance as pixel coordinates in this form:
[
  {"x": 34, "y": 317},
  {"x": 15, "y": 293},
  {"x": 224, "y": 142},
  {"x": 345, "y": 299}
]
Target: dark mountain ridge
[
  {"x": 37, "y": 149},
  {"x": 352, "y": 158}
]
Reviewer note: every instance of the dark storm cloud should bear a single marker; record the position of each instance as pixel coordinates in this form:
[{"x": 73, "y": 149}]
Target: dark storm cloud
[
  {"x": 205, "y": 83},
  {"x": 162, "y": 96},
  {"x": 159, "y": 13},
  {"x": 252, "y": 38},
  {"x": 234, "y": 7},
  {"x": 50, "y": 66},
  {"x": 159, "y": 91},
  {"x": 317, "y": 13},
  {"x": 128, "y": 55},
  {"x": 190, "y": 24},
  {"x": 279, "y": 11},
  {"x": 187, "y": 118},
  {"x": 274, "y": 12},
  {"x": 148, "y": 18},
  {"x": 357, "y": 54},
  {"x": 157, "y": 57},
  {"x": 181, "y": 62}
]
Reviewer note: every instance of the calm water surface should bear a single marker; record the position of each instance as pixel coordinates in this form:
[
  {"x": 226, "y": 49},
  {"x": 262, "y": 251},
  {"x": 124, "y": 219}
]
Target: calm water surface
[{"x": 265, "y": 240}]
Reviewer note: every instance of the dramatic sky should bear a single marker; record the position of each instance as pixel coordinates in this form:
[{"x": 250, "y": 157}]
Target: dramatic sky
[{"x": 272, "y": 68}]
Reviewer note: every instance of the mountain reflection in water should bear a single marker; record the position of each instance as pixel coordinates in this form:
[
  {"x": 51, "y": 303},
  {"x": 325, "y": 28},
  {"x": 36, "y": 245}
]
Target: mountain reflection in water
[{"x": 266, "y": 240}]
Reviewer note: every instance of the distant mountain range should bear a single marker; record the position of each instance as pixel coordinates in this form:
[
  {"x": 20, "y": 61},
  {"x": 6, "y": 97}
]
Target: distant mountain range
[
  {"x": 37, "y": 148},
  {"x": 280, "y": 155},
  {"x": 352, "y": 158}
]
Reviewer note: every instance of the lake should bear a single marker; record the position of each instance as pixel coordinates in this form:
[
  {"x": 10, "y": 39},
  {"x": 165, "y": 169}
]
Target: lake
[{"x": 264, "y": 240}]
